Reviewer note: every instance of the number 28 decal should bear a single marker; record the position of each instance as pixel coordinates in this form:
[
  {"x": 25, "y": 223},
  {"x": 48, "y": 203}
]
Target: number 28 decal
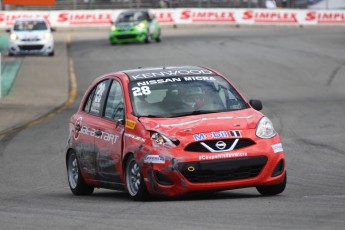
[{"x": 139, "y": 91}]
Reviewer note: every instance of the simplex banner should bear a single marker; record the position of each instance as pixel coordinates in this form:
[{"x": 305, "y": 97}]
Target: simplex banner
[{"x": 187, "y": 16}]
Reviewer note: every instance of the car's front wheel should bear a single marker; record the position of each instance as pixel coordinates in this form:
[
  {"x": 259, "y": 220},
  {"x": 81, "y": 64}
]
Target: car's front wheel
[
  {"x": 134, "y": 180},
  {"x": 272, "y": 190},
  {"x": 75, "y": 179},
  {"x": 51, "y": 53},
  {"x": 148, "y": 37}
]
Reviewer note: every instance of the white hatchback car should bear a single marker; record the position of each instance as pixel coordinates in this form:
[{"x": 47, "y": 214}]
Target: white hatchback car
[{"x": 31, "y": 36}]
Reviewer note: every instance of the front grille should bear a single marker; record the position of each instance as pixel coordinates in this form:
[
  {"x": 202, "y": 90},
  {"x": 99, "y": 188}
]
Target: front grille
[
  {"x": 30, "y": 39},
  {"x": 35, "y": 47},
  {"x": 200, "y": 146},
  {"x": 124, "y": 29},
  {"x": 126, "y": 36},
  {"x": 222, "y": 170}
]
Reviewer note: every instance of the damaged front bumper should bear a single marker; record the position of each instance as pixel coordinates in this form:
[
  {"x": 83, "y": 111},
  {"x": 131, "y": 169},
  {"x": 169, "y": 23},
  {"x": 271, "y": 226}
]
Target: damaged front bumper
[{"x": 169, "y": 174}]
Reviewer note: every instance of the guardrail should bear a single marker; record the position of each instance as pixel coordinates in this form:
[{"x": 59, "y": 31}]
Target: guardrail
[{"x": 187, "y": 16}]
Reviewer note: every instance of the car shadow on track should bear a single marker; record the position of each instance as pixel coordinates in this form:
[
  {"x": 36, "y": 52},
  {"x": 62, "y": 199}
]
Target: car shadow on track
[{"x": 200, "y": 196}]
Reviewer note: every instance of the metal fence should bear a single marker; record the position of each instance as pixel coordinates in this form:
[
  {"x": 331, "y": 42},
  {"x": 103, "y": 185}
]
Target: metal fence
[{"x": 123, "y": 4}]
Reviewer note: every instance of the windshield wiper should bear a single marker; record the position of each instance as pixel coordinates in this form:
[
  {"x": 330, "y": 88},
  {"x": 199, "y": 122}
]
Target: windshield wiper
[
  {"x": 195, "y": 112},
  {"x": 153, "y": 116}
]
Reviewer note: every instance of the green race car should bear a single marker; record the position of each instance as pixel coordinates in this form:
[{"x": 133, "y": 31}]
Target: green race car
[{"x": 135, "y": 26}]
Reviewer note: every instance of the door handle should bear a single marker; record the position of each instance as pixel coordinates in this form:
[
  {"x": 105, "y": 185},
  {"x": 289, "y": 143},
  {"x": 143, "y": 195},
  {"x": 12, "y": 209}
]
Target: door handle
[{"x": 98, "y": 133}]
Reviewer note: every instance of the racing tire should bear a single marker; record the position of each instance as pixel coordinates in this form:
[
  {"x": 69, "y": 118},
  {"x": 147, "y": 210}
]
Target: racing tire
[
  {"x": 134, "y": 180},
  {"x": 272, "y": 190},
  {"x": 10, "y": 54},
  {"x": 51, "y": 54},
  {"x": 75, "y": 179},
  {"x": 158, "y": 39},
  {"x": 148, "y": 38}
]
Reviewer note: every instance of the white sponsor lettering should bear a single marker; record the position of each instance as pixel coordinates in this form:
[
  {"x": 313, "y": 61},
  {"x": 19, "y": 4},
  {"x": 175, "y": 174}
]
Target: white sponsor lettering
[
  {"x": 156, "y": 159},
  {"x": 171, "y": 73},
  {"x": 108, "y": 137},
  {"x": 158, "y": 81},
  {"x": 139, "y": 91},
  {"x": 222, "y": 156},
  {"x": 134, "y": 137},
  {"x": 277, "y": 148},
  {"x": 199, "y": 78}
]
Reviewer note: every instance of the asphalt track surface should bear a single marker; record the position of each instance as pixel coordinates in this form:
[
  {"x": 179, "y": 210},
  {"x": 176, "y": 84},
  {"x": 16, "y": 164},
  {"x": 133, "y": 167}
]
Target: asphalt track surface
[{"x": 299, "y": 74}]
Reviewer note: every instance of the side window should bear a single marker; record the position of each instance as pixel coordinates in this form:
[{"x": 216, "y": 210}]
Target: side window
[
  {"x": 94, "y": 101},
  {"x": 89, "y": 100},
  {"x": 114, "y": 107}
]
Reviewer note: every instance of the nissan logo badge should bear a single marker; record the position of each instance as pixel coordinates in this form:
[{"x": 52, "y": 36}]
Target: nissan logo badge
[{"x": 221, "y": 145}]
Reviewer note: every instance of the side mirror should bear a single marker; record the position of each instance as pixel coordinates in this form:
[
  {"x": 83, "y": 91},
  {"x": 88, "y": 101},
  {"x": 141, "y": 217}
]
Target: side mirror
[
  {"x": 256, "y": 104},
  {"x": 120, "y": 122},
  {"x": 8, "y": 30}
]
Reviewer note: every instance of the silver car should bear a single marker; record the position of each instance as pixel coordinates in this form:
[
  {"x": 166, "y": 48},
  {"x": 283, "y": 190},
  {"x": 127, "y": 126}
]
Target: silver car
[{"x": 31, "y": 36}]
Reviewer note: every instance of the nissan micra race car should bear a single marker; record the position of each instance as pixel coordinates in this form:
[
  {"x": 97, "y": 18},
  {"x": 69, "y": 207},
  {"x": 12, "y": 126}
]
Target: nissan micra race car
[
  {"x": 171, "y": 131},
  {"x": 135, "y": 26},
  {"x": 31, "y": 36}
]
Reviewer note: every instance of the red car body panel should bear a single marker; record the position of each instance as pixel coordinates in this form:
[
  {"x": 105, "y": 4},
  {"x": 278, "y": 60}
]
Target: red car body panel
[{"x": 171, "y": 170}]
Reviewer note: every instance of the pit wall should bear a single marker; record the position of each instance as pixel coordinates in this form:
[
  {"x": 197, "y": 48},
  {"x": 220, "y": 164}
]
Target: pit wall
[{"x": 187, "y": 16}]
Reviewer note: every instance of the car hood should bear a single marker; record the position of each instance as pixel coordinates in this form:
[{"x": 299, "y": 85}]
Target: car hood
[{"x": 189, "y": 125}]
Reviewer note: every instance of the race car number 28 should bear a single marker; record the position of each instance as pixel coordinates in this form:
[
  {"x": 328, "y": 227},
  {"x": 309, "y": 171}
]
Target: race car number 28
[{"x": 139, "y": 91}]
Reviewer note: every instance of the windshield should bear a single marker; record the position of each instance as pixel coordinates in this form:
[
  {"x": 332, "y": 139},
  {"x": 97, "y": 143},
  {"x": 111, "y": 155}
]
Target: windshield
[
  {"x": 181, "y": 96},
  {"x": 130, "y": 17},
  {"x": 29, "y": 26}
]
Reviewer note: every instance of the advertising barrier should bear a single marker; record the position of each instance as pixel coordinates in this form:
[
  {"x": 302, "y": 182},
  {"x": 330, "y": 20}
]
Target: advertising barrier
[{"x": 187, "y": 16}]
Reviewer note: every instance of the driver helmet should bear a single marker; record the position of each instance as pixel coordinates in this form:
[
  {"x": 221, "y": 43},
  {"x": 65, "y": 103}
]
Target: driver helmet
[{"x": 193, "y": 97}]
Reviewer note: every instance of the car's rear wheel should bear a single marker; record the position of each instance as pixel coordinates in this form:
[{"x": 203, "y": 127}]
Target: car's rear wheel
[
  {"x": 75, "y": 179},
  {"x": 158, "y": 39},
  {"x": 272, "y": 190},
  {"x": 134, "y": 180}
]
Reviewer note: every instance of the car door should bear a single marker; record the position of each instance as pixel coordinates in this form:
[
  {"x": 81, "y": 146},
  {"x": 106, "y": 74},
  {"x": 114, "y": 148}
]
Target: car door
[
  {"x": 86, "y": 129},
  {"x": 108, "y": 145}
]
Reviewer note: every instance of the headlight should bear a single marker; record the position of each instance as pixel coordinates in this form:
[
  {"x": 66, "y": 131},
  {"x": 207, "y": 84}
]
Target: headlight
[
  {"x": 47, "y": 36},
  {"x": 141, "y": 25},
  {"x": 13, "y": 36},
  {"x": 113, "y": 28},
  {"x": 162, "y": 140},
  {"x": 265, "y": 128}
]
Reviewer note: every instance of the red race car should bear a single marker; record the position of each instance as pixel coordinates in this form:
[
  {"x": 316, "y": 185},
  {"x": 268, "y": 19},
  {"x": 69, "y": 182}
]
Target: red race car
[{"x": 171, "y": 131}]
